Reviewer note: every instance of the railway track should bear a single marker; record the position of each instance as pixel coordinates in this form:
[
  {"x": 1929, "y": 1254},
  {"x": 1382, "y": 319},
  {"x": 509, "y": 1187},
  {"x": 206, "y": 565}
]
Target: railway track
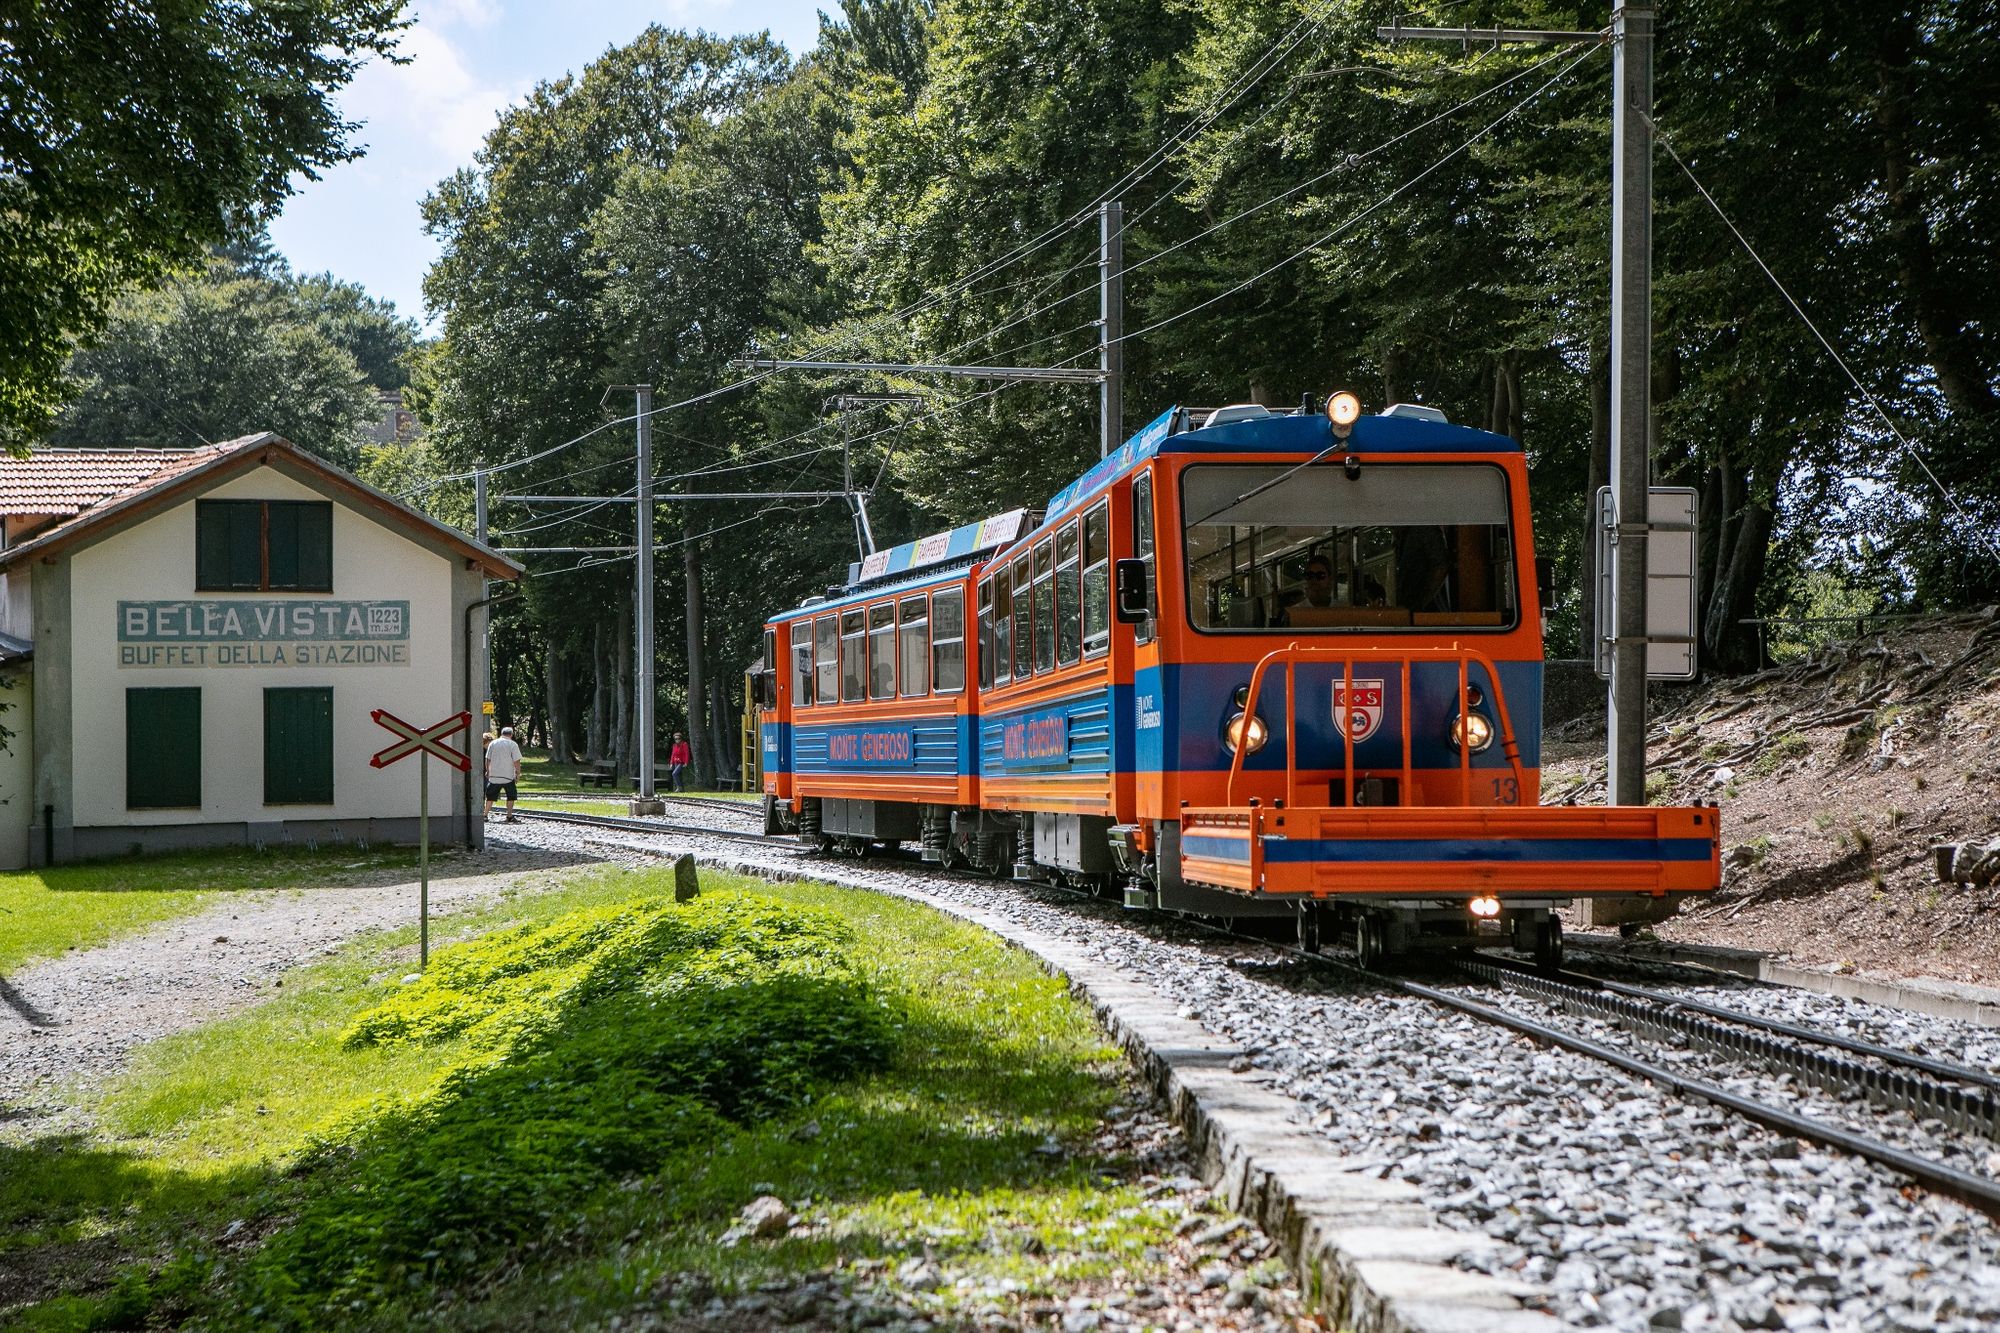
[
  {"x": 1963, "y": 1098},
  {"x": 1968, "y": 1106},
  {"x": 632, "y": 824}
]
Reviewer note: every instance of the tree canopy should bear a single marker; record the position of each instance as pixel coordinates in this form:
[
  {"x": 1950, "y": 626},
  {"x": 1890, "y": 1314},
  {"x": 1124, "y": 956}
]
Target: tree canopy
[
  {"x": 135, "y": 135},
  {"x": 1307, "y": 207}
]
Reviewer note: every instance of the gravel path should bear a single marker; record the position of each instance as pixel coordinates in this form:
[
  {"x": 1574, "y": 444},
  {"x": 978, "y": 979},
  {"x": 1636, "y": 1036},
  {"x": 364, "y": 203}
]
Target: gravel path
[
  {"x": 1635, "y": 1209},
  {"x": 71, "y": 1021}
]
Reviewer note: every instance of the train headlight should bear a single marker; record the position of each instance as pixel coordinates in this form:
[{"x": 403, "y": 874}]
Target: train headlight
[
  {"x": 1473, "y": 730},
  {"x": 1245, "y": 731},
  {"x": 1486, "y": 906},
  {"x": 1343, "y": 409}
]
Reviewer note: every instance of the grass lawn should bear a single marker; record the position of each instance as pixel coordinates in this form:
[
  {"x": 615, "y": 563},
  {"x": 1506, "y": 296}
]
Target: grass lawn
[
  {"x": 45, "y": 912},
  {"x": 967, "y": 1139}
]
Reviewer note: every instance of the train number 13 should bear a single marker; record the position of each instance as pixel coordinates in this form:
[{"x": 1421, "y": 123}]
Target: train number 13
[{"x": 1506, "y": 791}]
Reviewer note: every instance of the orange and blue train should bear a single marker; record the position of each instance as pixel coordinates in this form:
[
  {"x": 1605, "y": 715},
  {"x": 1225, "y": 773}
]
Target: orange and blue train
[{"x": 1250, "y": 664}]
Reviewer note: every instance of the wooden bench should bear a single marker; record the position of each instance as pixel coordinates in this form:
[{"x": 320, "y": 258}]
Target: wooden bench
[{"x": 601, "y": 776}]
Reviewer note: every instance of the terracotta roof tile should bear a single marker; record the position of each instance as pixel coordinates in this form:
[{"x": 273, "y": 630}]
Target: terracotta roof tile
[{"x": 66, "y": 482}]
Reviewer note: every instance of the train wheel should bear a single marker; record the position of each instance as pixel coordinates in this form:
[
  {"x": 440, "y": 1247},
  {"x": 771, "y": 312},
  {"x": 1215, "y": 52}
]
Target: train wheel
[
  {"x": 1549, "y": 944},
  {"x": 1309, "y": 930},
  {"x": 1368, "y": 949}
]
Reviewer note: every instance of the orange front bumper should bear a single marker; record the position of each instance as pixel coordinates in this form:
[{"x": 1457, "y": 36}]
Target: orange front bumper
[{"x": 1453, "y": 851}]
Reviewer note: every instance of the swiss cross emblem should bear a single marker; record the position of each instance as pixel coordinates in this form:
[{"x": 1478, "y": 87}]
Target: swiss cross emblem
[{"x": 1358, "y": 709}]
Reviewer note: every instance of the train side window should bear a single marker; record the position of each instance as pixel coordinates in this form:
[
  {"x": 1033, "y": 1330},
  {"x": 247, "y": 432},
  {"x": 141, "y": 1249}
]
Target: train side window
[
  {"x": 1024, "y": 620},
  {"x": 1045, "y": 606},
  {"x": 948, "y": 641},
  {"x": 913, "y": 631},
  {"x": 1142, "y": 549},
  {"x": 1069, "y": 598},
  {"x": 1003, "y": 627},
  {"x": 985, "y": 619},
  {"x": 826, "y": 639},
  {"x": 802, "y": 663},
  {"x": 853, "y": 657},
  {"x": 1097, "y": 580},
  {"x": 882, "y": 651}
]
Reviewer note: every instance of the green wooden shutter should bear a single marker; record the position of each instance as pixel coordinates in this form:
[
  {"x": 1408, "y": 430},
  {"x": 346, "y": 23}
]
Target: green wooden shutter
[
  {"x": 229, "y": 544},
  {"x": 315, "y": 545},
  {"x": 298, "y": 746},
  {"x": 301, "y": 545},
  {"x": 162, "y": 749}
]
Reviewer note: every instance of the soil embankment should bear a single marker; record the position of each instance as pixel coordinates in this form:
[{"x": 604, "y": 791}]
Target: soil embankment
[{"x": 1836, "y": 774}]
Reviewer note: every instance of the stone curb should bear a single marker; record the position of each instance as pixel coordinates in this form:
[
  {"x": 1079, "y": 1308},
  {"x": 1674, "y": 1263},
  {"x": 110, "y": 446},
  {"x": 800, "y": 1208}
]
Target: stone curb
[{"x": 1368, "y": 1254}]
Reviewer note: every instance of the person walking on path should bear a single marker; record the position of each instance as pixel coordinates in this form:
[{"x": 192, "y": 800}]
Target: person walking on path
[
  {"x": 503, "y": 771},
  {"x": 678, "y": 758}
]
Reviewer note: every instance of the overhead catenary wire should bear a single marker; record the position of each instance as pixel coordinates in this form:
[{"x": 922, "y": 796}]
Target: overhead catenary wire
[
  {"x": 1244, "y": 82},
  {"x": 1910, "y": 448},
  {"x": 1183, "y": 136},
  {"x": 1347, "y": 163}
]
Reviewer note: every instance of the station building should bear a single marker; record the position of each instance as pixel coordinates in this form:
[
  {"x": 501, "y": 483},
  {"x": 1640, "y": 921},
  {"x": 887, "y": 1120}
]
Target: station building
[{"x": 192, "y": 643}]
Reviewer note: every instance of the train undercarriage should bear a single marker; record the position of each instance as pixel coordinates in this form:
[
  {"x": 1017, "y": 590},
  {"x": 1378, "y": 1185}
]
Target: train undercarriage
[{"x": 1092, "y": 854}]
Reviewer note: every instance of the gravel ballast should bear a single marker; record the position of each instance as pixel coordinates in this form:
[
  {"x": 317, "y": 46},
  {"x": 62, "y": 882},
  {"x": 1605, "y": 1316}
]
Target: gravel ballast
[{"x": 1627, "y": 1207}]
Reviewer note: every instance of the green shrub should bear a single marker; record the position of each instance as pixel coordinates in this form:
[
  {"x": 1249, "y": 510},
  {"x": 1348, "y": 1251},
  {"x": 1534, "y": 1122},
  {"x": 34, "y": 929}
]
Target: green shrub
[{"x": 595, "y": 1047}]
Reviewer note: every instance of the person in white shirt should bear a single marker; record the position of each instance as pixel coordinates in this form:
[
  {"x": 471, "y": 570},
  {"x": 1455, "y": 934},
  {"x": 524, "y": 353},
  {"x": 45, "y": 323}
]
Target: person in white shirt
[{"x": 503, "y": 771}]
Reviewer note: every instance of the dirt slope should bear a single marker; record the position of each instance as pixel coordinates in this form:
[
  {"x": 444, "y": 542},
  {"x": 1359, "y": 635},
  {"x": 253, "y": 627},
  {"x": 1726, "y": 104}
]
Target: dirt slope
[{"x": 1836, "y": 776}]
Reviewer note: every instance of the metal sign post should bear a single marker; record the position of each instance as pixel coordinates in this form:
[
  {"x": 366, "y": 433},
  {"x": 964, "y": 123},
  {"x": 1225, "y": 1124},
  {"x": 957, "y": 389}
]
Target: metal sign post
[{"x": 424, "y": 742}]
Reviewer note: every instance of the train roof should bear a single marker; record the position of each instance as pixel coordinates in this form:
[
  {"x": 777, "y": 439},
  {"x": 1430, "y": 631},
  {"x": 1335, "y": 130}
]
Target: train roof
[
  {"x": 920, "y": 563},
  {"x": 1400, "y": 429}
]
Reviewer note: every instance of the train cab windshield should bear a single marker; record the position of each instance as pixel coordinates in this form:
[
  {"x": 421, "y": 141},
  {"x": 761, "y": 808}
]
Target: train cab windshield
[{"x": 1326, "y": 548}]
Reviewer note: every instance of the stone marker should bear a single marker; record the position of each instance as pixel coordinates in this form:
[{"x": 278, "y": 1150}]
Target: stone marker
[{"x": 687, "y": 881}]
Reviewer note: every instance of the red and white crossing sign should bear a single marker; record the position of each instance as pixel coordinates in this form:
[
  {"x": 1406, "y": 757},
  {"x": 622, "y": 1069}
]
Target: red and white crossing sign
[{"x": 421, "y": 740}]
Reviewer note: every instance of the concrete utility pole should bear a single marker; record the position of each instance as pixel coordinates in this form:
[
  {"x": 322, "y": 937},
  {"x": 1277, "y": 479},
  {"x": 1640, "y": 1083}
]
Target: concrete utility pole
[
  {"x": 644, "y": 802},
  {"x": 1111, "y": 326},
  {"x": 1631, "y": 361},
  {"x": 643, "y": 587},
  {"x": 1631, "y": 392}
]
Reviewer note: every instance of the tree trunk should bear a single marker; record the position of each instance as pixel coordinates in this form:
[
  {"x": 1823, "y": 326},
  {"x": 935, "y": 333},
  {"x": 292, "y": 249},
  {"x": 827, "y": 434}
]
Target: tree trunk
[
  {"x": 600, "y": 698},
  {"x": 1937, "y": 307},
  {"x": 624, "y": 717},
  {"x": 1746, "y": 540},
  {"x": 1395, "y": 376},
  {"x": 727, "y": 732},
  {"x": 1600, "y": 476},
  {"x": 1506, "y": 416},
  {"x": 697, "y": 690},
  {"x": 555, "y": 688}
]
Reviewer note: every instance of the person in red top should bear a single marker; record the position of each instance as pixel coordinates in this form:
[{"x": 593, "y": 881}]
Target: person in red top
[{"x": 678, "y": 758}]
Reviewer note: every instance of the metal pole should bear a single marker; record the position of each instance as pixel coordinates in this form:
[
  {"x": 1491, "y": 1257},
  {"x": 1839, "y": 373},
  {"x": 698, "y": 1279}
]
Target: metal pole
[
  {"x": 644, "y": 586},
  {"x": 423, "y": 861},
  {"x": 1111, "y": 326},
  {"x": 1631, "y": 393},
  {"x": 467, "y": 784}
]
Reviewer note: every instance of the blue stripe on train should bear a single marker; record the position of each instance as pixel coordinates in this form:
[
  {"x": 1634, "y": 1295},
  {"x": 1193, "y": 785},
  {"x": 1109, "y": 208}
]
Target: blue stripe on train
[
  {"x": 1567, "y": 850},
  {"x": 1180, "y": 709}
]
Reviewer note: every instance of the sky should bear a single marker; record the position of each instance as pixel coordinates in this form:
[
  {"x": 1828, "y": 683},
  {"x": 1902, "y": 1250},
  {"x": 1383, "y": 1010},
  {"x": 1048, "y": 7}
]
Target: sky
[{"x": 423, "y": 120}]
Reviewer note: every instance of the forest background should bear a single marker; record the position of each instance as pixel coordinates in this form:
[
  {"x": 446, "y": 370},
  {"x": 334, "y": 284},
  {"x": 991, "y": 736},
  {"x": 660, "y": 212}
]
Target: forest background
[{"x": 1308, "y": 208}]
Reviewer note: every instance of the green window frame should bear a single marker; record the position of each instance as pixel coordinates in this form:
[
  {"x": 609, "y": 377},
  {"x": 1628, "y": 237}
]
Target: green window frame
[
  {"x": 298, "y": 745},
  {"x": 263, "y": 546},
  {"x": 163, "y": 748}
]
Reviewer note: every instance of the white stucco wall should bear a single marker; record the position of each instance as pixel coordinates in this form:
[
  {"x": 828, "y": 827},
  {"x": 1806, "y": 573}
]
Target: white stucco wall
[{"x": 156, "y": 561}]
